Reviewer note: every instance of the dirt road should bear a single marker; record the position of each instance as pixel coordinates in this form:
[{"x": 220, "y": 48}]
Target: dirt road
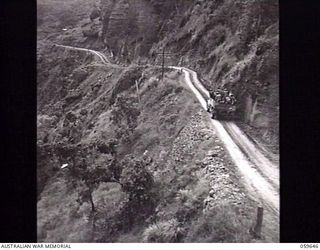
[
  {"x": 101, "y": 56},
  {"x": 260, "y": 175}
]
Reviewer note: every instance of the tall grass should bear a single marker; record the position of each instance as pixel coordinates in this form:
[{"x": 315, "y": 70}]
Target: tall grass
[{"x": 220, "y": 224}]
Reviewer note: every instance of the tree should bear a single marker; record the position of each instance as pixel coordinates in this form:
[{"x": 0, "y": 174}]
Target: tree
[
  {"x": 85, "y": 195},
  {"x": 108, "y": 147},
  {"x": 90, "y": 172},
  {"x": 94, "y": 14},
  {"x": 135, "y": 179}
]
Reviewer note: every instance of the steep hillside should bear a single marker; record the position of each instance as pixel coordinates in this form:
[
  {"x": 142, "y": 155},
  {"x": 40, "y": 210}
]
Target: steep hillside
[
  {"x": 231, "y": 43},
  {"x": 102, "y": 129},
  {"x": 143, "y": 161},
  {"x": 73, "y": 22}
]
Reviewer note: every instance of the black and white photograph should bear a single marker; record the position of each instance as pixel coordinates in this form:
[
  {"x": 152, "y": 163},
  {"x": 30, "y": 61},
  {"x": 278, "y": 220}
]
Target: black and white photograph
[{"x": 157, "y": 121}]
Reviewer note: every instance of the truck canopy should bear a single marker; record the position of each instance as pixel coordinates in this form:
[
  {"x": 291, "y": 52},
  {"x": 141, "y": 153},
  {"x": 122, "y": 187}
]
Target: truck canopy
[
  {"x": 223, "y": 96},
  {"x": 222, "y": 104}
]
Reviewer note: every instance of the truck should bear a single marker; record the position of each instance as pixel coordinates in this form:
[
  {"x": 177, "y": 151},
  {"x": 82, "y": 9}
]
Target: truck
[{"x": 222, "y": 105}]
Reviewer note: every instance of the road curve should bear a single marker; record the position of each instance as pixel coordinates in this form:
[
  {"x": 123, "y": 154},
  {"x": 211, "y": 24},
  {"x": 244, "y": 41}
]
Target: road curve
[
  {"x": 101, "y": 56},
  {"x": 260, "y": 175}
]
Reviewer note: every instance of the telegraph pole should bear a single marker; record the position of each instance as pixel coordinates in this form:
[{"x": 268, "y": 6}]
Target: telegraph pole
[
  {"x": 137, "y": 87},
  {"x": 163, "y": 54},
  {"x": 163, "y": 62}
]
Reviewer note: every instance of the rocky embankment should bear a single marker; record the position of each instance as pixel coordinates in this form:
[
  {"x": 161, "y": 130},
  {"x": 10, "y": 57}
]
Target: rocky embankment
[{"x": 215, "y": 163}]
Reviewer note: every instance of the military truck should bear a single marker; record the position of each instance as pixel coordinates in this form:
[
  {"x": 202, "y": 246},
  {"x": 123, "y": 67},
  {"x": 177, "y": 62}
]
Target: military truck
[{"x": 222, "y": 105}]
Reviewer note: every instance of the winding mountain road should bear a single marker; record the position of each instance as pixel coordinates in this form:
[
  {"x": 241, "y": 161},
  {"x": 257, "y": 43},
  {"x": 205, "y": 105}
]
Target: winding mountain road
[
  {"x": 101, "y": 56},
  {"x": 260, "y": 175}
]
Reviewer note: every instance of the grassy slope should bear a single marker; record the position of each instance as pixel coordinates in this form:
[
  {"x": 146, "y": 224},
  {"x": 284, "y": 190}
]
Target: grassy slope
[{"x": 164, "y": 130}]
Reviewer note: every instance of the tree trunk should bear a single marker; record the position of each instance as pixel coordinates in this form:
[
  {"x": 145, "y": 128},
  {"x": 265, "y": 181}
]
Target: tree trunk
[{"x": 93, "y": 209}]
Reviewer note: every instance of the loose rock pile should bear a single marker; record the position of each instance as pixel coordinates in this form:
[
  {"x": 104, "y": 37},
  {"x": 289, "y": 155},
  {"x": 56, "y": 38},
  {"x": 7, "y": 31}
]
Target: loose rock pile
[
  {"x": 188, "y": 139},
  {"x": 224, "y": 186}
]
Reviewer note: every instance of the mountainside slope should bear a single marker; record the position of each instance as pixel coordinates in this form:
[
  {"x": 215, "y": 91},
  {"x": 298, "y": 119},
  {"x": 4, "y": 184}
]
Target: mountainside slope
[
  {"x": 233, "y": 44},
  {"x": 144, "y": 162},
  {"x": 81, "y": 131}
]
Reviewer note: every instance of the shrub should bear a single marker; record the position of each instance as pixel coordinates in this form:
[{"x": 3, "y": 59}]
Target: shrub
[
  {"x": 221, "y": 224},
  {"x": 191, "y": 200},
  {"x": 94, "y": 14},
  {"x": 164, "y": 231},
  {"x": 126, "y": 81},
  {"x": 135, "y": 179},
  {"x": 125, "y": 109}
]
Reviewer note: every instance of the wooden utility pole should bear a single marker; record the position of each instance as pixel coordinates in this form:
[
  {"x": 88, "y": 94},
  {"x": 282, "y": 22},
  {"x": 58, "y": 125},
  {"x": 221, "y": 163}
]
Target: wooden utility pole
[
  {"x": 137, "y": 87},
  {"x": 163, "y": 62},
  {"x": 163, "y": 54},
  {"x": 256, "y": 231}
]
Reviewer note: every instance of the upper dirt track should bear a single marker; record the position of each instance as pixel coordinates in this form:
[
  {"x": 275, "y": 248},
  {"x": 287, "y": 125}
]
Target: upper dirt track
[
  {"x": 101, "y": 56},
  {"x": 260, "y": 175}
]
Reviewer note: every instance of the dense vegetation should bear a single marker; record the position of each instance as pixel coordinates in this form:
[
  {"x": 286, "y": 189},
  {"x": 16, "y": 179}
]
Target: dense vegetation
[{"x": 138, "y": 169}]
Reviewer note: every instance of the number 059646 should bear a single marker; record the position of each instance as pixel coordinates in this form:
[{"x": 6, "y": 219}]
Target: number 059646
[{"x": 308, "y": 245}]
